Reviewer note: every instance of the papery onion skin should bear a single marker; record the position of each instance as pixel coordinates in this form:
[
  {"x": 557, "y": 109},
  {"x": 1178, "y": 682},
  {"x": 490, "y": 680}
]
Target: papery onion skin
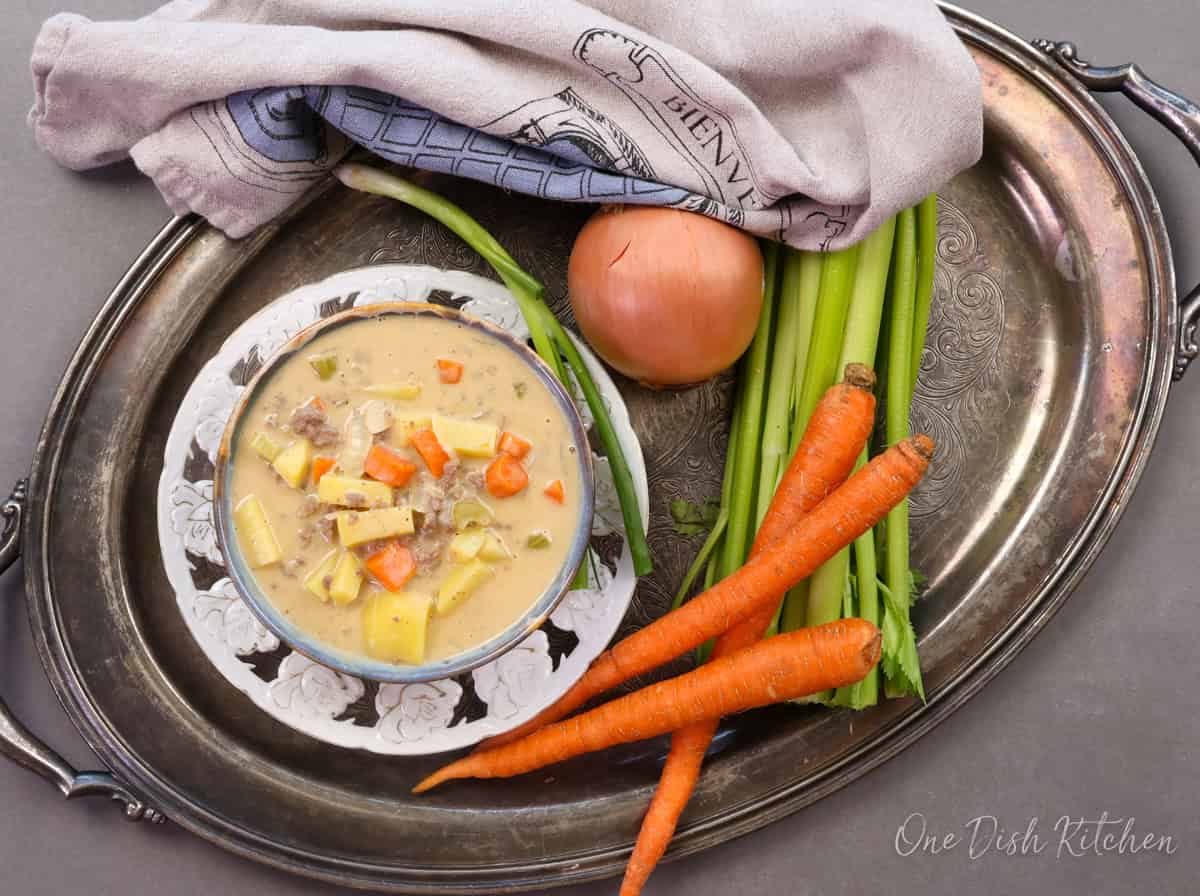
[{"x": 666, "y": 297}]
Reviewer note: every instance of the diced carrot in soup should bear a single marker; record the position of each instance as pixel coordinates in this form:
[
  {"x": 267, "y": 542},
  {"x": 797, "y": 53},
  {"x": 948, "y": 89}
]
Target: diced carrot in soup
[
  {"x": 320, "y": 466},
  {"x": 554, "y": 491},
  {"x": 449, "y": 372},
  {"x": 431, "y": 451},
  {"x": 387, "y": 466},
  {"x": 513, "y": 445},
  {"x": 392, "y": 566},
  {"x": 505, "y": 477}
]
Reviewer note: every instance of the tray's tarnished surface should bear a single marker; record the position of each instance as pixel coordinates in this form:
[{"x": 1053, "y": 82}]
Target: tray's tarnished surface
[{"x": 1045, "y": 380}]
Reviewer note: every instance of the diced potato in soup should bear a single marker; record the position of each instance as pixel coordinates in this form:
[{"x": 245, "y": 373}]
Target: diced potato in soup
[{"x": 308, "y": 542}]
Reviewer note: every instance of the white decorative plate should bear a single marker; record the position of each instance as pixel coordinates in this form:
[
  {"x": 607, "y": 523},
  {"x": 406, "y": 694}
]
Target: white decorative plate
[{"x": 311, "y": 698}]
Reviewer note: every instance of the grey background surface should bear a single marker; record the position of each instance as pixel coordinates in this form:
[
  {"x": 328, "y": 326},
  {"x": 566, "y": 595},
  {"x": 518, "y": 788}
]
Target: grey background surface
[{"x": 1100, "y": 714}]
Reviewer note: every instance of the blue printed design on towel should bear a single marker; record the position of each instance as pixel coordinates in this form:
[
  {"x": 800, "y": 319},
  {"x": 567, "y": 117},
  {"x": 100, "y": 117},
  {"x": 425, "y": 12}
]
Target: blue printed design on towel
[
  {"x": 278, "y": 124},
  {"x": 576, "y": 155}
]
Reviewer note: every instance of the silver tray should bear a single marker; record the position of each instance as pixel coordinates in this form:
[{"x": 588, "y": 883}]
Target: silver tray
[{"x": 1054, "y": 341}]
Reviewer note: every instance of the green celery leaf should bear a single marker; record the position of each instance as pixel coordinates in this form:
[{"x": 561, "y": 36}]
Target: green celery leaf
[{"x": 694, "y": 519}]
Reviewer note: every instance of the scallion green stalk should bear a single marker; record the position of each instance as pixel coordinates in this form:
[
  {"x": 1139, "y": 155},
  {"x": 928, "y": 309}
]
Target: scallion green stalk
[
  {"x": 371, "y": 180},
  {"x": 631, "y": 513}
]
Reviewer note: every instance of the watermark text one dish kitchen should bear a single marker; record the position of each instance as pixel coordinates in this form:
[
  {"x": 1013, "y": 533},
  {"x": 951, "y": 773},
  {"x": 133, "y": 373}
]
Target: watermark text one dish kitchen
[{"x": 1067, "y": 837}]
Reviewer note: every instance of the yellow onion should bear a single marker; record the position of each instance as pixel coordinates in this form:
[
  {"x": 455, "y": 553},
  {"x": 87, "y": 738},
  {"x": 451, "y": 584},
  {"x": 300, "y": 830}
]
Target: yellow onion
[{"x": 666, "y": 297}]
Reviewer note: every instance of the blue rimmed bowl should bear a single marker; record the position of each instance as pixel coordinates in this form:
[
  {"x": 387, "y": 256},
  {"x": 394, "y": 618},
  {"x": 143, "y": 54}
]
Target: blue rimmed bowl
[{"x": 361, "y": 666}]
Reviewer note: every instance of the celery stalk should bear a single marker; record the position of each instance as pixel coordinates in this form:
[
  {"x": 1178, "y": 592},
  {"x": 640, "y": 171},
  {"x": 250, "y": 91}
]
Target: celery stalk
[
  {"x": 829, "y": 324},
  {"x": 866, "y": 692},
  {"x": 810, "y": 291},
  {"x": 745, "y": 439},
  {"x": 926, "y": 259},
  {"x": 713, "y": 541},
  {"x": 861, "y": 339},
  {"x": 820, "y": 372},
  {"x": 752, "y": 377},
  {"x": 858, "y": 345},
  {"x": 779, "y": 384},
  {"x": 900, "y": 663}
]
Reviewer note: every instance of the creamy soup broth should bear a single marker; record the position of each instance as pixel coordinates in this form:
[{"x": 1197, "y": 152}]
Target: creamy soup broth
[{"x": 385, "y": 370}]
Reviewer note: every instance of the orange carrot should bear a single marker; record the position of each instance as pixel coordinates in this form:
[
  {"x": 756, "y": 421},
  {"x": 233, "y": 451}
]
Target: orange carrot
[
  {"x": 392, "y": 566},
  {"x": 320, "y": 466},
  {"x": 793, "y": 665},
  {"x": 316, "y": 402},
  {"x": 853, "y": 508},
  {"x": 385, "y": 465},
  {"x": 679, "y": 776},
  {"x": 431, "y": 451},
  {"x": 837, "y": 430},
  {"x": 505, "y": 476},
  {"x": 554, "y": 491},
  {"x": 513, "y": 444},
  {"x": 449, "y": 372}
]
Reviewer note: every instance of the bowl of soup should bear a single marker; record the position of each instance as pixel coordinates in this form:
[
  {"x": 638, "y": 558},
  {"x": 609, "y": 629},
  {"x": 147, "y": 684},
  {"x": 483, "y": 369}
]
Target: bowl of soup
[{"x": 403, "y": 492}]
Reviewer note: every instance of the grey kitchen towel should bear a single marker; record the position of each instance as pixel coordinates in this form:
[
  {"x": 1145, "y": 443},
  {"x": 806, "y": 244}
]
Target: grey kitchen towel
[{"x": 807, "y": 121}]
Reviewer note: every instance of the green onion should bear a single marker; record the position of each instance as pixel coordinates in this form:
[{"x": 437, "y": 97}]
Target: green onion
[
  {"x": 631, "y": 513},
  {"x": 524, "y": 287},
  {"x": 547, "y": 334}
]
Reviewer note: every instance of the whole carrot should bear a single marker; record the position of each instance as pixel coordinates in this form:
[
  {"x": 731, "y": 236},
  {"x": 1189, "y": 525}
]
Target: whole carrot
[
  {"x": 856, "y": 506},
  {"x": 839, "y": 427},
  {"x": 792, "y": 665}
]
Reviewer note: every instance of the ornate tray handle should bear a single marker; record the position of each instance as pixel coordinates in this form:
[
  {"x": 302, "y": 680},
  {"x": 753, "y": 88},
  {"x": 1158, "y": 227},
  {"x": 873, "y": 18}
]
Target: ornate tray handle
[
  {"x": 18, "y": 743},
  {"x": 1178, "y": 114}
]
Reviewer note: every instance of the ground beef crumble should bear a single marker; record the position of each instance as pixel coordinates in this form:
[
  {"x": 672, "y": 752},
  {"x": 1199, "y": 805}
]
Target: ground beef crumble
[{"x": 311, "y": 423}]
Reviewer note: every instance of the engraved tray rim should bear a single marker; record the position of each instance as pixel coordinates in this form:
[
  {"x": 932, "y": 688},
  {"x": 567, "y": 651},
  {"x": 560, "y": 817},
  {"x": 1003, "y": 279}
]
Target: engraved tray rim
[{"x": 734, "y": 820}]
